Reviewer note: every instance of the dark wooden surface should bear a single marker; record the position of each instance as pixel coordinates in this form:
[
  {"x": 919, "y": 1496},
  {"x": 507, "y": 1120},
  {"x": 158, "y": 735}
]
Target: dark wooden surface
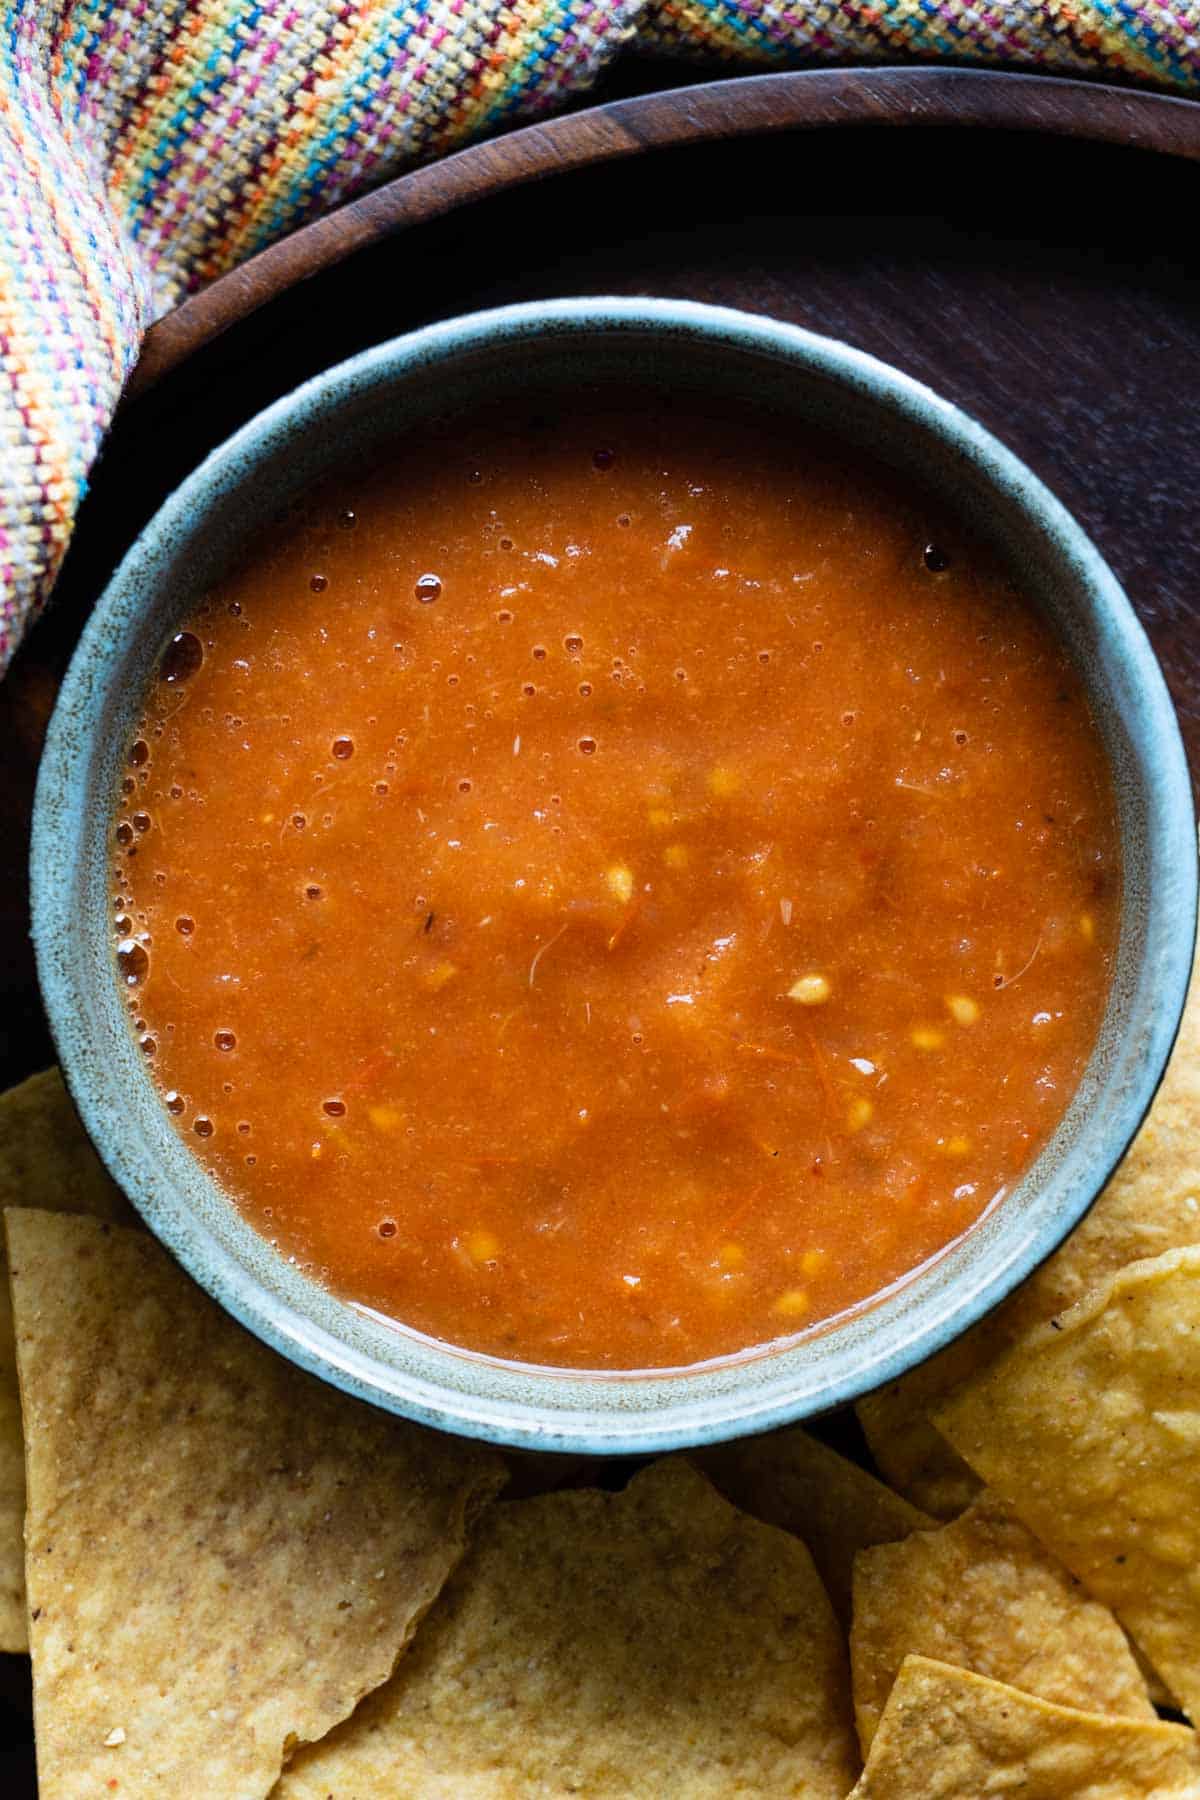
[
  {"x": 754, "y": 105},
  {"x": 1047, "y": 283}
]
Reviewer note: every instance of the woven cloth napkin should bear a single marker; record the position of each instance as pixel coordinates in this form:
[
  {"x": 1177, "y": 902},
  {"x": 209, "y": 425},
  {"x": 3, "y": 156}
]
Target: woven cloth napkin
[{"x": 147, "y": 146}]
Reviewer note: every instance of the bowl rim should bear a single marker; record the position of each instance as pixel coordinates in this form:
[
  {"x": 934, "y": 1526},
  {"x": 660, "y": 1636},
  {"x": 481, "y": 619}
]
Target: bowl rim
[{"x": 696, "y": 1414}]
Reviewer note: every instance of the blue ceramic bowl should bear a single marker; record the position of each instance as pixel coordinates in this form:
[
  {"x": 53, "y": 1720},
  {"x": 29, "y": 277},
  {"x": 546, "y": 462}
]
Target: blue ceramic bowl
[{"x": 360, "y": 405}]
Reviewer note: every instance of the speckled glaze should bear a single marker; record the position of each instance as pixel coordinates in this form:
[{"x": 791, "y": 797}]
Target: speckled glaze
[{"x": 360, "y": 404}]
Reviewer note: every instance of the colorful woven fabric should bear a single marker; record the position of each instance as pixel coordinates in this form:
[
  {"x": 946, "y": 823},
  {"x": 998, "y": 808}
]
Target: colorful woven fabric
[
  {"x": 1150, "y": 42},
  {"x": 148, "y": 145}
]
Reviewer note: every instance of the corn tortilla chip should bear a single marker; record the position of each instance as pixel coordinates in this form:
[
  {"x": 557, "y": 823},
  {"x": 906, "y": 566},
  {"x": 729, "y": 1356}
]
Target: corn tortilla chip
[
  {"x": 1156, "y": 1687},
  {"x": 223, "y": 1554},
  {"x": 47, "y": 1161},
  {"x": 912, "y": 1453},
  {"x": 1090, "y": 1429},
  {"x": 1151, "y": 1205},
  {"x": 793, "y": 1480},
  {"x": 948, "y": 1734},
  {"x": 652, "y": 1642},
  {"x": 982, "y": 1594}
]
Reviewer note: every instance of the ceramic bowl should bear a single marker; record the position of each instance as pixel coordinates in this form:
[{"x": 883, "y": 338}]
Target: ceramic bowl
[{"x": 561, "y": 345}]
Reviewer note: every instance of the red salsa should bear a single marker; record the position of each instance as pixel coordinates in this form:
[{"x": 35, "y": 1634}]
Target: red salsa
[{"x": 614, "y": 889}]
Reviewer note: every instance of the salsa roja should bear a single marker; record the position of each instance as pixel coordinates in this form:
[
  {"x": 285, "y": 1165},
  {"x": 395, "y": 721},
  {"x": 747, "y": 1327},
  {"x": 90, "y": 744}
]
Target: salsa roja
[{"x": 613, "y": 888}]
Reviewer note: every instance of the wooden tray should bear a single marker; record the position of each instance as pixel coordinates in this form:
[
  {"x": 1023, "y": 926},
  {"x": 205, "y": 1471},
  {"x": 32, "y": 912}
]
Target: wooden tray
[{"x": 1026, "y": 246}]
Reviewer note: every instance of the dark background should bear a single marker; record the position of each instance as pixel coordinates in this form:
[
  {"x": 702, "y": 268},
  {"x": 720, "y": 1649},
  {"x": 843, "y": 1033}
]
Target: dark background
[{"x": 1048, "y": 286}]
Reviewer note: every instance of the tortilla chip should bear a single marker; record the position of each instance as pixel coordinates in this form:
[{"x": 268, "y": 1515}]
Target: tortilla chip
[
  {"x": 1151, "y": 1205},
  {"x": 651, "y": 1642},
  {"x": 223, "y": 1554},
  {"x": 1090, "y": 1429},
  {"x": 791, "y": 1479},
  {"x": 910, "y": 1450},
  {"x": 47, "y": 1161},
  {"x": 1160, "y": 1694},
  {"x": 983, "y": 1594},
  {"x": 947, "y": 1734}
]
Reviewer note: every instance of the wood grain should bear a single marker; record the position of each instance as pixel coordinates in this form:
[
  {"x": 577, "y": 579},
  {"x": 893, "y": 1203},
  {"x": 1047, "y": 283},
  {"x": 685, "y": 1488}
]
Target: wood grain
[{"x": 751, "y": 105}]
